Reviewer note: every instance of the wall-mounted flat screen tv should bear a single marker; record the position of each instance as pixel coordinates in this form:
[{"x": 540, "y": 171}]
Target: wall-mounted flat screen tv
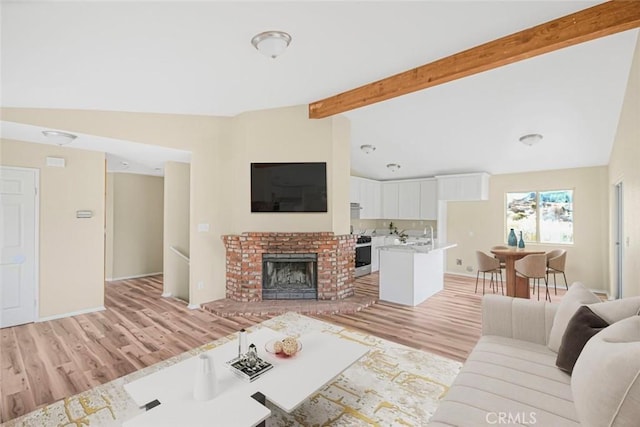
[{"x": 288, "y": 187}]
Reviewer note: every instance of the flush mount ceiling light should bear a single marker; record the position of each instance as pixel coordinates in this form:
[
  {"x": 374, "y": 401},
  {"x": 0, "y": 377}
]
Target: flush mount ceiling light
[
  {"x": 60, "y": 138},
  {"x": 531, "y": 139},
  {"x": 393, "y": 167},
  {"x": 271, "y": 43},
  {"x": 368, "y": 148}
]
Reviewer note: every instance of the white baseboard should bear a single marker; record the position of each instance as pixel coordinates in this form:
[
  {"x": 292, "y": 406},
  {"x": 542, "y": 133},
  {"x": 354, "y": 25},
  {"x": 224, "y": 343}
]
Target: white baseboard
[
  {"x": 456, "y": 273},
  {"x": 167, "y": 295},
  {"x": 193, "y": 306},
  {"x": 73, "y": 313},
  {"x": 115, "y": 279}
]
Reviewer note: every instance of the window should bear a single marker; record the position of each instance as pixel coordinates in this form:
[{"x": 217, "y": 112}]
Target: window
[{"x": 542, "y": 216}]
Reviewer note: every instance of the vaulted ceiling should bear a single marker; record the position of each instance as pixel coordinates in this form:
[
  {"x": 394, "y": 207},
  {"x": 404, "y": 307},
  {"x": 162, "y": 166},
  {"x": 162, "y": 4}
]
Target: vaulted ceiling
[{"x": 196, "y": 58}]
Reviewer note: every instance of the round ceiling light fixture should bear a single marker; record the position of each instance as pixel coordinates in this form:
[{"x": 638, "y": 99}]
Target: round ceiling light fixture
[
  {"x": 271, "y": 43},
  {"x": 58, "y": 137},
  {"x": 393, "y": 167},
  {"x": 368, "y": 148},
  {"x": 531, "y": 139}
]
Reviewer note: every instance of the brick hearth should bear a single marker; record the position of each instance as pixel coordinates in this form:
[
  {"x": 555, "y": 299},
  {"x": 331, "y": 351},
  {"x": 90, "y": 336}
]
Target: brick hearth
[{"x": 336, "y": 258}]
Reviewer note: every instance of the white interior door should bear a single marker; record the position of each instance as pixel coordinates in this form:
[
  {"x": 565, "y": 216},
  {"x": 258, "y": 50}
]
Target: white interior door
[{"x": 18, "y": 222}]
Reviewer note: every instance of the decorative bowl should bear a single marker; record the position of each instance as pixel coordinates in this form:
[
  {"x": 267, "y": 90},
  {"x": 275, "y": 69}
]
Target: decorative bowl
[{"x": 270, "y": 348}]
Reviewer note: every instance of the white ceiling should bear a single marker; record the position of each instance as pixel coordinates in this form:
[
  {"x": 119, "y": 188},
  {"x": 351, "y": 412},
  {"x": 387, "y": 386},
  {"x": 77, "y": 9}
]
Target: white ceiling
[
  {"x": 122, "y": 156},
  {"x": 196, "y": 58}
]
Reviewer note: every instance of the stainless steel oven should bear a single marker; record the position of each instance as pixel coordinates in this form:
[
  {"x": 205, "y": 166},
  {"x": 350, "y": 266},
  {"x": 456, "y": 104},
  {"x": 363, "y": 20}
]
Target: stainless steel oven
[{"x": 363, "y": 256}]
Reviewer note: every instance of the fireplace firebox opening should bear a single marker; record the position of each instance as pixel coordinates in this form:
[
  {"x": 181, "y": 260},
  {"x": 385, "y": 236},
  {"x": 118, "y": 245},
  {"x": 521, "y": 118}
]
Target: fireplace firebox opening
[{"x": 289, "y": 276}]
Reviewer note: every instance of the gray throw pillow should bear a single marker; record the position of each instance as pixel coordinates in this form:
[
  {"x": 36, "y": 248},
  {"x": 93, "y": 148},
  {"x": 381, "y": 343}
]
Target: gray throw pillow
[
  {"x": 606, "y": 377},
  {"x": 582, "y": 326}
]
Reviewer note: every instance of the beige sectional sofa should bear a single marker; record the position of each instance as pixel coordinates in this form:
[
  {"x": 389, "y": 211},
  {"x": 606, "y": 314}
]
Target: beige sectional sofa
[{"x": 511, "y": 378}]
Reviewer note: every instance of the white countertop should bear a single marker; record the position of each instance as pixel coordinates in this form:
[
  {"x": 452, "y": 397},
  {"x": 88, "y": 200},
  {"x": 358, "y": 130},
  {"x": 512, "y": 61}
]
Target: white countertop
[{"x": 418, "y": 247}]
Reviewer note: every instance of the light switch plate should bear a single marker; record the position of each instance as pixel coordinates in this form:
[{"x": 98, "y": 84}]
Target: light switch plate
[{"x": 203, "y": 228}]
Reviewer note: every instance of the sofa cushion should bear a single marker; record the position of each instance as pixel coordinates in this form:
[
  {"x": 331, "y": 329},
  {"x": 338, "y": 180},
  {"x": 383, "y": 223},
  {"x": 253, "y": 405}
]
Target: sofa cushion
[
  {"x": 583, "y": 325},
  {"x": 616, "y": 310},
  {"x": 574, "y": 298},
  {"x": 509, "y": 378},
  {"x": 606, "y": 377}
]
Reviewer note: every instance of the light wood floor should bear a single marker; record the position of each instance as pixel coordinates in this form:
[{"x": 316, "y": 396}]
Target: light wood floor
[{"x": 41, "y": 363}]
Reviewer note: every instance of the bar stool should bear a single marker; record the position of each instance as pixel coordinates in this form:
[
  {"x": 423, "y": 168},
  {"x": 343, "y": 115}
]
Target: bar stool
[
  {"x": 556, "y": 260},
  {"x": 534, "y": 266},
  {"x": 488, "y": 264}
]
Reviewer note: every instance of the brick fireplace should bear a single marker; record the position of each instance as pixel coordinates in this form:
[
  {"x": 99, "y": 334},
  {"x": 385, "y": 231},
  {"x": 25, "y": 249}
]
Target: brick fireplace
[{"x": 335, "y": 259}]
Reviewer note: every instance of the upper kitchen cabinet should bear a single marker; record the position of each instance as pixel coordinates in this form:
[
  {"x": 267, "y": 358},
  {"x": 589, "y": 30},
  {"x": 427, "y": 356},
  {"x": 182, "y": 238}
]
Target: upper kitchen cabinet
[
  {"x": 461, "y": 187},
  {"x": 429, "y": 199},
  {"x": 390, "y": 197},
  {"x": 354, "y": 189},
  {"x": 370, "y": 199},
  {"x": 367, "y": 193},
  {"x": 409, "y": 200}
]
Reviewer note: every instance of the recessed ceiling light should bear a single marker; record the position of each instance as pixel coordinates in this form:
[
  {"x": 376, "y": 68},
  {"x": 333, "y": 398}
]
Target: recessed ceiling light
[
  {"x": 271, "y": 43},
  {"x": 368, "y": 148},
  {"x": 393, "y": 167},
  {"x": 58, "y": 137},
  {"x": 531, "y": 139}
]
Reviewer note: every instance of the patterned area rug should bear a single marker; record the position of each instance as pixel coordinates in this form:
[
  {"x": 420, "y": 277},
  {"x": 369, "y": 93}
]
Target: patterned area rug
[{"x": 392, "y": 385}]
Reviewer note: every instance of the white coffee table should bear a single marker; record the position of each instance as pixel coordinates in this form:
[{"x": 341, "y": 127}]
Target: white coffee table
[{"x": 287, "y": 385}]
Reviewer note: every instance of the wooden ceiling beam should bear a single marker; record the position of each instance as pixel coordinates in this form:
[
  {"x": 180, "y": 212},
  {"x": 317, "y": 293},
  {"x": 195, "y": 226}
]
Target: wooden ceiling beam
[{"x": 588, "y": 24}]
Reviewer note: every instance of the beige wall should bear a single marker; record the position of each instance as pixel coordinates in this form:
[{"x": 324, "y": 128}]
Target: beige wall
[
  {"x": 204, "y": 136},
  {"x": 624, "y": 167},
  {"x": 287, "y": 135},
  {"x": 482, "y": 224},
  {"x": 220, "y": 147},
  {"x": 71, "y": 251},
  {"x": 138, "y": 212},
  {"x": 176, "y": 228}
]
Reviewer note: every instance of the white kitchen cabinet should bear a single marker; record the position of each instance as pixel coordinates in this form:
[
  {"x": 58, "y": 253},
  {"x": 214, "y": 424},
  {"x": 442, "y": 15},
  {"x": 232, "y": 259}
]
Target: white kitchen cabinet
[
  {"x": 376, "y": 242},
  {"x": 354, "y": 189},
  {"x": 469, "y": 186},
  {"x": 428, "y": 199},
  {"x": 370, "y": 199},
  {"x": 409, "y": 200},
  {"x": 390, "y": 199},
  {"x": 367, "y": 193}
]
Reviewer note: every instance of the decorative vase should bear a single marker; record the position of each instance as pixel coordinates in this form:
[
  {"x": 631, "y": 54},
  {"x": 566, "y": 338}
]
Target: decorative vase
[
  {"x": 512, "y": 240},
  {"x": 521, "y": 241},
  {"x": 205, "y": 386}
]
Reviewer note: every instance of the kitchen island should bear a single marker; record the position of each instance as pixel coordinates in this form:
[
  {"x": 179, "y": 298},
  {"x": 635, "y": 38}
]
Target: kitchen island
[{"x": 411, "y": 273}]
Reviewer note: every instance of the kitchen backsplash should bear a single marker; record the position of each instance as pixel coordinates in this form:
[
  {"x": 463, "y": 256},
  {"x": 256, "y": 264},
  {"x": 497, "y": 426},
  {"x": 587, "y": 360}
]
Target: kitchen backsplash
[{"x": 382, "y": 225}]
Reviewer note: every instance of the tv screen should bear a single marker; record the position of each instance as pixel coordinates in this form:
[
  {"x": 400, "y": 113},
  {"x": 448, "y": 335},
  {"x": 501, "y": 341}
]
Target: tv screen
[{"x": 288, "y": 187}]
